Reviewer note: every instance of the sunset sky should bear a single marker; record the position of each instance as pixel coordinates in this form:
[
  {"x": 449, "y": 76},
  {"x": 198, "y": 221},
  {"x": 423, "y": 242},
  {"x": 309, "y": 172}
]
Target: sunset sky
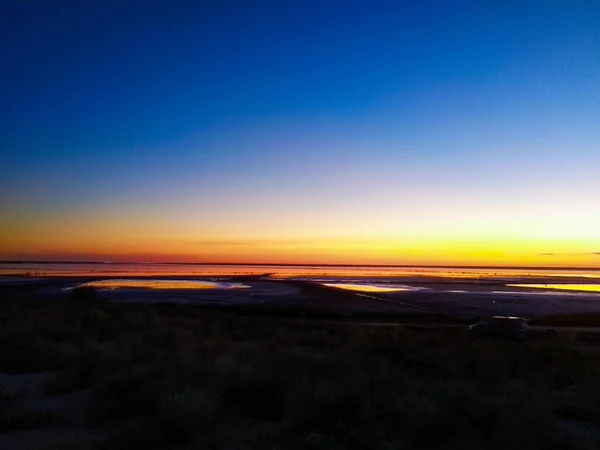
[{"x": 351, "y": 132}]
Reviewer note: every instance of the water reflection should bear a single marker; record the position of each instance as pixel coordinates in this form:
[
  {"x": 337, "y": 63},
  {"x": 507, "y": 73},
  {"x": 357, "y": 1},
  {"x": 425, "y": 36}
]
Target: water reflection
[
  {"x": 568, "y": 287},
  {"x": 368, "y": 287},
  {"x": 161, "y": 270},
  {"x": 162, "y": 284}
]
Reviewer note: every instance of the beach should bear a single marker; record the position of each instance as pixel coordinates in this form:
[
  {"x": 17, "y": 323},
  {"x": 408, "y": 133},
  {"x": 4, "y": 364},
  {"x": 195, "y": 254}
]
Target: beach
[{"x": 457, "y": 292}]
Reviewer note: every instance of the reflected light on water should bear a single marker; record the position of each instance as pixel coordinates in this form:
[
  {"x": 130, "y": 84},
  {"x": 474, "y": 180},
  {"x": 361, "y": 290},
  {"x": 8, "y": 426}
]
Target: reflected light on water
[
  {"x": 132, "y": 270},
  {"x": 569, "y": 287},
  {"x": 162, "y": 284},
  {"x": 367, "y": 287}
]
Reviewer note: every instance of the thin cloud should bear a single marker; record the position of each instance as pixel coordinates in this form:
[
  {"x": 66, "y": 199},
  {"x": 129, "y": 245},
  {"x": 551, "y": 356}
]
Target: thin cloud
[{"x": 261, "y": 241}]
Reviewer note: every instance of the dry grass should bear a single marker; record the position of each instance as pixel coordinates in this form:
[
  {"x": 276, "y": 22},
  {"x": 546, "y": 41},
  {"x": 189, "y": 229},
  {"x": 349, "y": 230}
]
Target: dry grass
[{"x": 206, "y": 379}]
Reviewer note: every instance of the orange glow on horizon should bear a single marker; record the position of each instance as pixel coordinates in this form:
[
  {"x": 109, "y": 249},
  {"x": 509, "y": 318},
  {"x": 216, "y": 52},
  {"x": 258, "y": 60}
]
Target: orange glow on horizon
[
  {"x": 319, "y": 251},
  {"x": 336, "y": 238}
]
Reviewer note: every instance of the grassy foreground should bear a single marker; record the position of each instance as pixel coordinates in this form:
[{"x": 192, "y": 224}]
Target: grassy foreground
[{"x": 176, "y": 376}]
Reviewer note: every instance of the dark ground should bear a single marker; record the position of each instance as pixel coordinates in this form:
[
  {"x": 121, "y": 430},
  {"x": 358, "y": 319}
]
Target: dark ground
[{"x": 91, "y": 374}]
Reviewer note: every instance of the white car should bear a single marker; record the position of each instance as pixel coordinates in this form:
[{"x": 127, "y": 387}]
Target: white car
[{"x": 501, "y": 326}]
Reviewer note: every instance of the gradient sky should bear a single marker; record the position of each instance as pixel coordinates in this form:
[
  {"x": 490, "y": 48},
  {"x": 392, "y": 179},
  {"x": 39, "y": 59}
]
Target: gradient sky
[{"x": 425, "y": 132}]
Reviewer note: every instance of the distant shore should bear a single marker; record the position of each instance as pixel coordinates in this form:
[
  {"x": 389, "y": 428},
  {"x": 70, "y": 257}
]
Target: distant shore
[{"x": 267, "y": 264}]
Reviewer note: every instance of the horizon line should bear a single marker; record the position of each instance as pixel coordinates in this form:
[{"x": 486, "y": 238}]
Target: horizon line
[{"x": 301, "y": 264}]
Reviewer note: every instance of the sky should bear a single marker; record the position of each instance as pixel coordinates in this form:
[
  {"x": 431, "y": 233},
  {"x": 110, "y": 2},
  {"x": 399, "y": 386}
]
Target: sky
[{"x": 351, "y": 132}]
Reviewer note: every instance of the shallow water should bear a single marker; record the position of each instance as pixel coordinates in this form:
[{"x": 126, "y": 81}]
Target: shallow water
[
  {"x": 530, "y": 298},
  {"x": 331, "y": 273},
  {"x": 161, "y": 284},
  {"x": 370, "y": 287},
  {"x": 563, "y": 287}
]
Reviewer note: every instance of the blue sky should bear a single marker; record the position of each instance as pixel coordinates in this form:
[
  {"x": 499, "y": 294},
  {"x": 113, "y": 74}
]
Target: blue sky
[{"x": 160, "y": 108}]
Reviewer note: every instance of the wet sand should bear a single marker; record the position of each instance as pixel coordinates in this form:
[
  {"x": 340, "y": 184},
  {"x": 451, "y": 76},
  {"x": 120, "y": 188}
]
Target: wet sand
[{"x": 458, "y": 298}]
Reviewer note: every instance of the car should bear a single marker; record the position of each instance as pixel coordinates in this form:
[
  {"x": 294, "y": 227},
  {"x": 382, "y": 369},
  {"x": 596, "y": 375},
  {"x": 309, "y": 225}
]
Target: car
[{"x": 500, "y": 326}]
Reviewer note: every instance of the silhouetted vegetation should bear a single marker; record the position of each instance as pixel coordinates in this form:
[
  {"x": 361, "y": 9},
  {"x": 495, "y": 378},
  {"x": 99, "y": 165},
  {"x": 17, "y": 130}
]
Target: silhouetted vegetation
[
  {"x": 164, "y": 376},
  {"x": 569, "y": 320},
  {"x": 83, "y": 293}
]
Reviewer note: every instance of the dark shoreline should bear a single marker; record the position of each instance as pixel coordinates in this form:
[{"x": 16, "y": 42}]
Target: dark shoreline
[{"x": 453, "y": 298}]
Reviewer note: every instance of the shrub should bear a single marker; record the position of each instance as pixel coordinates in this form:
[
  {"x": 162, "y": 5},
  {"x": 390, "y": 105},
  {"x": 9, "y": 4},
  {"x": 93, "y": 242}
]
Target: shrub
[{"x": 83, "y": 293}]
